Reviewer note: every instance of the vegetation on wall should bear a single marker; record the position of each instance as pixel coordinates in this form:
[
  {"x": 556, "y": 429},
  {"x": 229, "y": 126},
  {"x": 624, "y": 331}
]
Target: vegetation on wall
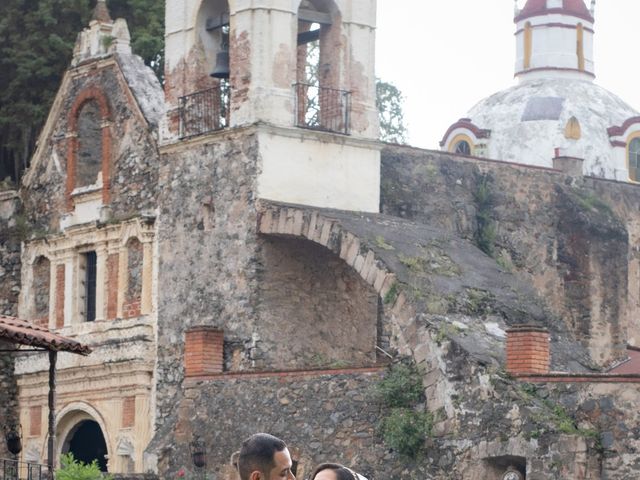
[
  {"x": 405, "y": 424},
  {"x": 485, "y": 236}
]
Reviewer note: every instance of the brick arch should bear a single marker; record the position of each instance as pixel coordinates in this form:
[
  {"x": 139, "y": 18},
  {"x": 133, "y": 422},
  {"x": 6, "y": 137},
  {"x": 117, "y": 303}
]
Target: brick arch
[
  {"x": 89, "y": 94},
  {"x": 330, "y": 233}
]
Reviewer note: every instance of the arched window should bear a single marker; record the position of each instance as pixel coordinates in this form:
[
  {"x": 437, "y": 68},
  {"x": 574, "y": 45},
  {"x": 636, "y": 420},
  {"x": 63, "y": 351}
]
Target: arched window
[
  {"x": 528, "y": 45},
  {"x": 580, "y": 46},
  {"x": 461, "y": 145},
  {"x": 89, "y": 147},
  {"x": 634, "y": 159},
  {"x": 89, "y": 155}
]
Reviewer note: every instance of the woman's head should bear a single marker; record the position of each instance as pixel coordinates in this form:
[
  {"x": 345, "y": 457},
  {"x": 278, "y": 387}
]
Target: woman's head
[{"x": 332, "y": 471}]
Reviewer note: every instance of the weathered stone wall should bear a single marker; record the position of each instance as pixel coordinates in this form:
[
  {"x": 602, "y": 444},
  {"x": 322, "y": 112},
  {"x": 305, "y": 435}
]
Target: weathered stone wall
[
  {"x": 208, "y": 253},
  {"x": 315, "y": 310},
  {"x": 8, "y": 396},
  {"x": 321, "y": 417},
  {"x": 553, "y": 231},
  {"x": 10, "y": 237},
  {"x": 12, "y": 230}
]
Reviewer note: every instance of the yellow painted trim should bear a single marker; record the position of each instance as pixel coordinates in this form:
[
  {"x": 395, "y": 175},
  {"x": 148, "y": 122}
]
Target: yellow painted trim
[
  {"x": 631, "y": 137},
  {"x": 580, "y": 47},
  {"x": 572, "y": 130},
  {"x": 528, "y": 45},
  {"x": 459, "y": 138}
]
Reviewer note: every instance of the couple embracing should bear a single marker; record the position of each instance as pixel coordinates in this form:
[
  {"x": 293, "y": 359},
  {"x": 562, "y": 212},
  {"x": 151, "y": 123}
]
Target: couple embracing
[{"x": 265, "y": 457}]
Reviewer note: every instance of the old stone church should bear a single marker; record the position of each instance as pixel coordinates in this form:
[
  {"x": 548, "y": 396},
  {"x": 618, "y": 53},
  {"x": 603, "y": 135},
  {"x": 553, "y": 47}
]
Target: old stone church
[{"x": 242, "y": 254}]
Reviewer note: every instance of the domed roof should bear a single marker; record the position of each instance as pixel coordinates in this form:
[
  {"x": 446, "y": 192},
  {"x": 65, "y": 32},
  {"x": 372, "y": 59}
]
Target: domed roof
[
  {"x": 529, "y": 121},
  {"x": 569, "y": 7}
]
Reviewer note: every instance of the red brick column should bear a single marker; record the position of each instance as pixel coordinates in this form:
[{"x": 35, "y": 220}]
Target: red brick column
[
  {"x": 203, "y": 351},
  {"x": 60, "y": 296},
  {"x": 528, "y": 349},
  {"x": 35, "y": 421},
  {"x": 128, "y": 412}
]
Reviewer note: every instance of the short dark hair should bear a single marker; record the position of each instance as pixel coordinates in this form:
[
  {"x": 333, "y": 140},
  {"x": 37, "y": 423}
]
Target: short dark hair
[
  {"x": 342, "y": 472},
  {"x": 257, "y": 454}
]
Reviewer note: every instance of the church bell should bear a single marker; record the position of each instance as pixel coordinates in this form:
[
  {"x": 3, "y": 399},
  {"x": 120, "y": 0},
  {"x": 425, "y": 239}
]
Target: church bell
[{"x": 221, "y": 70}]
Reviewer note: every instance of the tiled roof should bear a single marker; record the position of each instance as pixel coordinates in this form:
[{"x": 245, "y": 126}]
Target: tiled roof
[
  {"x": 569, "y": 7},
  {"x": 18, "y": 331},
  {"x": 631, "y": 366}
]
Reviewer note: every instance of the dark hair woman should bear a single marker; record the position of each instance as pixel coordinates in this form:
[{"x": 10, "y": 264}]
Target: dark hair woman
[{"x": 335, "y": 471}]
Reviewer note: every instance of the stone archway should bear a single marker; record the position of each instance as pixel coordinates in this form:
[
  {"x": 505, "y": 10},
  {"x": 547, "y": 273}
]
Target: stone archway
[
  {"x": 81, "y": 430},
  {"x": 87, "y": 443}
]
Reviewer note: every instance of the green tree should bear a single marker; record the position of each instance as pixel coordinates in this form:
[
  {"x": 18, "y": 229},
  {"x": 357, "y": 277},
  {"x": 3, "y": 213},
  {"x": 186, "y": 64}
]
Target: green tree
[
  {"x": 36, "y": 40},
  {"x": 389, "y": 101},
  {"x": 36, "y": 44}
]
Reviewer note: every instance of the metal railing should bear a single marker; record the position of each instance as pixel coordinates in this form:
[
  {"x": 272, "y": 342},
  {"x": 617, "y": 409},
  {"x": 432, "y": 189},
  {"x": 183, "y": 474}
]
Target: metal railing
[
  {"x": 321, "y": 108},
  {"x": 15, "y": 470},
  {"x": 204, "y": 112}
]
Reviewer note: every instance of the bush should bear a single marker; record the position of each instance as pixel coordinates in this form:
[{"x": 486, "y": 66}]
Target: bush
[
  {"x": 405, "y": 430},
  {"x": 400, "y": 387},
  {"x": 72, "y": 469},
  {"x": 404, "y": 425}
]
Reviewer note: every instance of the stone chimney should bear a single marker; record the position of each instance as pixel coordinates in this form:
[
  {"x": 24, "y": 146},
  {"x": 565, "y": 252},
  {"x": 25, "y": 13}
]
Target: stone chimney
[
  {"x": 528, "y": 350},
  {"x": 203, "y": 351}
]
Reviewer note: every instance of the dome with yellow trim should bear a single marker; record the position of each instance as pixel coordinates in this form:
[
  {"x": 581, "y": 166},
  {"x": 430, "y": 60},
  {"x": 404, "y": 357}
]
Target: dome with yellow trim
[{"x": 556, "y": 110}]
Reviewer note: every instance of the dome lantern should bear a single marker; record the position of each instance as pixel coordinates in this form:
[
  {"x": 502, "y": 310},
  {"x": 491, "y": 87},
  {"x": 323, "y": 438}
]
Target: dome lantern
[{"x": 554, "y": 39}]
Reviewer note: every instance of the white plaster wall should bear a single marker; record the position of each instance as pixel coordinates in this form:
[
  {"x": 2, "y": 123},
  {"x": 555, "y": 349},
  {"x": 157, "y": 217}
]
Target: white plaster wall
[{"x": 312, "y": 171}]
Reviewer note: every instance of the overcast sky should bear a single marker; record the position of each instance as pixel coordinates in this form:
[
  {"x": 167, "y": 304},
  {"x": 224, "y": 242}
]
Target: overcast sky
[{"x": 446, "y": 55}]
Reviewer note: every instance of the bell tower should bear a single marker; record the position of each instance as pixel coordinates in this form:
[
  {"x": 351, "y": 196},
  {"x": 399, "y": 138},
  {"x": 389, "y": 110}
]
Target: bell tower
[{"x": 300, "y": 71}]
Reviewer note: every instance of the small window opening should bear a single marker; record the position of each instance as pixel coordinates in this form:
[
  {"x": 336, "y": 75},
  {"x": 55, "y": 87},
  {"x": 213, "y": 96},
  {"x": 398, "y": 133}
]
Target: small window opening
[
  {"x": 90, "y": 284},
  {"x": 462, "y": 148},
  {"x": 634, "y": 159}
]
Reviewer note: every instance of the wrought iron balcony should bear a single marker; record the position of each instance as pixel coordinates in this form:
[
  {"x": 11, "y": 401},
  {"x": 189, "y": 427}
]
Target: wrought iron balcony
[
  {"x": 15, "y": 470},
  {"x": 321, "y": 108},
  {"x": 204, "y": 112}
]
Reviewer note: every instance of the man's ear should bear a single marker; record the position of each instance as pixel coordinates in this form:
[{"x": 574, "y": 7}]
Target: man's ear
[{"x": 255, "y": 475}]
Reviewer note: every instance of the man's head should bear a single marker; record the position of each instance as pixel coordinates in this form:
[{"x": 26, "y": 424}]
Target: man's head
[{"x": 264, "y": 457}]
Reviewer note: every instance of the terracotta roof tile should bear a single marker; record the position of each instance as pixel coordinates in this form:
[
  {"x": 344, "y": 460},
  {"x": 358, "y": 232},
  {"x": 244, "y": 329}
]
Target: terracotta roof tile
[
  {"x": 21, "y": 332},
  {"x": 631, "y": 366}
]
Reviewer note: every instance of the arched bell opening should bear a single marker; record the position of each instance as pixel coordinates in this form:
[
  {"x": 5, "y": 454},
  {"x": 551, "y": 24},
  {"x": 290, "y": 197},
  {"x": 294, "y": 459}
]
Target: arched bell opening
[
  {"x": 87, "y": 443},
  {"x": 208, "y": 104},
  {"x": 321, "y": 102},
  {"x": 213, "y": 30}
]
